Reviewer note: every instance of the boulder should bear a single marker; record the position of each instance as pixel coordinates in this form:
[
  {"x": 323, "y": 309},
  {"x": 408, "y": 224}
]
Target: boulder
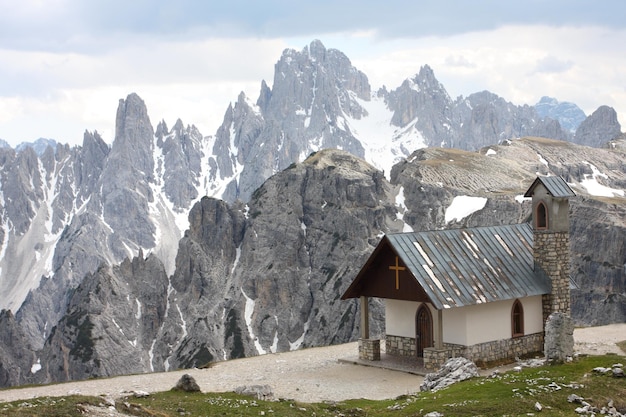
[
  {"x": 260, "y": 392},
  {"x": 559, "y": 338},
  {"x": 187, "y": 383},
  {"x": 454, "y": 370}
]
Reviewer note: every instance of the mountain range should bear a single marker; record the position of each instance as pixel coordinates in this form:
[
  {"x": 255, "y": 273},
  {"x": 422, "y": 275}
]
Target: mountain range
[{"x": 172, "y": 249}]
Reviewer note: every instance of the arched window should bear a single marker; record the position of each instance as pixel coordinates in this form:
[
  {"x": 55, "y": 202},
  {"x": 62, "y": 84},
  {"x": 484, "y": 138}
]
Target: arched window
[
  {"x": 541, "y": 216},
  {"x": 517, "y": 319}
]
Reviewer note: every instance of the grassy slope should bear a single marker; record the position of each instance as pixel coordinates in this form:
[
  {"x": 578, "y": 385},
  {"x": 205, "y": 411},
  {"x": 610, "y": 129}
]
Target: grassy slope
[{"x": 511, "y": 394}]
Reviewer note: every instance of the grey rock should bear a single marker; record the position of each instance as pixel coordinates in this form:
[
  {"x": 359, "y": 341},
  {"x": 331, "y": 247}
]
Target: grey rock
[
  {"x": 569, "y": 115},
  {"x": 260, "y": 392},
  {"x": 112, "y": 320},
  {"x": 599, "y": 128},
  {"x": 313, "y": 90},
  {"x": 559, "y": 338},
  {"x": 573, "y": 398},
  {"x": 18, "y": 358},
  {"x": 67, "y": 212},
  {"x": 532, "y": 363},
  {"x": 618, "y": 373},
  {"x": 454, "y": 370},
  {"x": 187, "y": 383}
]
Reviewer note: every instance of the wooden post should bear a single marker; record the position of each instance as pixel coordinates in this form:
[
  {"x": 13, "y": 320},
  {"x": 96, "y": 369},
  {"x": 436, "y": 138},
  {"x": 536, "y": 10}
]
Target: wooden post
[
  {"x": 365, "y": 318},
  {"x": 439, "y": 342}
]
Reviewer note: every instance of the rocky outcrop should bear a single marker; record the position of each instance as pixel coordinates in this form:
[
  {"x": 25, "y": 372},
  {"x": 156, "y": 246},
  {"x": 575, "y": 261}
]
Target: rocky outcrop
[
  {"x": 112, "y": 320},
  {"x": 313, "y": 91},
  {"x": 267, "y": 277},
  {"x": 569, "y": 115},
  {"x": 454, "y": 370},
  {"x": 599, "y": 128},
  {"x": 257, "y": 271},
  {"x": 18, "y": 361},
  {"x": 559, "y": 338}
]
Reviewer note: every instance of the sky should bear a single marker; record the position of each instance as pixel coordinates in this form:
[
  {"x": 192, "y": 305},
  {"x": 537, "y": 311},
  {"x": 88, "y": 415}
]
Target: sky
[{"x": 65, "y": 64}]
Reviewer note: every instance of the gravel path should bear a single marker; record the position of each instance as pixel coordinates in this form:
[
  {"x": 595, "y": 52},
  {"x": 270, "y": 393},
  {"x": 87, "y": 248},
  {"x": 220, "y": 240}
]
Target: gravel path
[{"x": 308, "y": 375}]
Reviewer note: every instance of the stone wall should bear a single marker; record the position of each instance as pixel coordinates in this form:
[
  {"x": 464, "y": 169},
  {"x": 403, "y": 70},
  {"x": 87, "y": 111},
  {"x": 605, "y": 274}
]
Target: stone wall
[
  {"x": 369, "y": 349},
  {"x": 500, "y": 349},
  {"x": 552, "y": 254},
  {"x": 482, "y": 352},
  {"x": 400, "y": 346}
]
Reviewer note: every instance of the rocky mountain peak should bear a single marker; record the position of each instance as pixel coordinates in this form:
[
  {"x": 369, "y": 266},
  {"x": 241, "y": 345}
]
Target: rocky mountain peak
[
  {"x": 426, "y": 77},
  {"x": 133, "y": 133},
  {"x": 264, "y": 96},
  {"x": 599, "y": 128},
  {"x": 569, "y": 115},
  {"x": 316, "y": 50},
  {"x": 264, "y": 274}
]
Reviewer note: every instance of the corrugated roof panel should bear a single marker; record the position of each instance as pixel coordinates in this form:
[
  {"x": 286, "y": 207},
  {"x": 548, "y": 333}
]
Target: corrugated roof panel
[
  {"x": 462, "y": 267},
  {"x": 556, "y": 186}
]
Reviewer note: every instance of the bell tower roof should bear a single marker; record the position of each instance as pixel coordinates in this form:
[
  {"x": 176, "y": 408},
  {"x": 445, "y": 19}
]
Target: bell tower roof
[{"x": 556, "y": 187}]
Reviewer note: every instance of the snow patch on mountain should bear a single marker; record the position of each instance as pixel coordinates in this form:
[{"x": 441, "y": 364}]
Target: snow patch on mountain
[
  {"x": 594, "y": 187},
  {"x": 462, "y": 206},
  {"x": 248, "y": 311},
  {"x": 384, "y": 144},
  {"x": 401, "y": 210}
]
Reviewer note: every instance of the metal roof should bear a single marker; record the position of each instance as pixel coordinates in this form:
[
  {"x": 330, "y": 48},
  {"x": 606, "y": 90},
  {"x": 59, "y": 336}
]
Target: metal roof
[
  {"x": 461, "y": 267},
  {"x": 556, "y": 186}
]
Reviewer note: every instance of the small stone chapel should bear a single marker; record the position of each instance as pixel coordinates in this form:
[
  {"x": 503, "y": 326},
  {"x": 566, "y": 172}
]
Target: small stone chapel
[{"x": 483, "y": 293}]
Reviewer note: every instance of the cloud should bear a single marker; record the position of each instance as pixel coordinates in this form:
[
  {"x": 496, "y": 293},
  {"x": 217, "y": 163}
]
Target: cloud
[
  {"x": 65, "y": 63},
  {"x": 552, "y": 64},
  {"x": 97, "y": 25},
  {"x": 459, "y": 61}
]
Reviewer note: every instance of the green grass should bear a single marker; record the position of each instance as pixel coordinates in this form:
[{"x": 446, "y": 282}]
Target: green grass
[
  {"x": 49, "y": 406},
  {"x": 507, "y": 394}
]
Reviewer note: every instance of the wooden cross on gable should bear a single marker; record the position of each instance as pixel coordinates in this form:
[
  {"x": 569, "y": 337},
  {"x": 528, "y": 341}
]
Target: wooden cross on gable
[{"x": 397, "y": 268}]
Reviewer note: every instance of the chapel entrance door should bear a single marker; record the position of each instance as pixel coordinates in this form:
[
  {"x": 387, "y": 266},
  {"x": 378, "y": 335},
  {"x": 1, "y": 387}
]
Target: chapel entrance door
[{"x": 423, "y": 330}]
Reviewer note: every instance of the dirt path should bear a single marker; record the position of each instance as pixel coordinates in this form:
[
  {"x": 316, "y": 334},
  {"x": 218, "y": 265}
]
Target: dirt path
[{"x": 308, "y": 375}]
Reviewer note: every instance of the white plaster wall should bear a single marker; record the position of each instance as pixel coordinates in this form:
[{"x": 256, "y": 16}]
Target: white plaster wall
[
  {"x": 488, "y": 322},
  {"x": 455, "y": 326},
  {"x": 400, "y": 317},
  {"x": 466, "y": 325},
  {"x": 533, "y": 314}
]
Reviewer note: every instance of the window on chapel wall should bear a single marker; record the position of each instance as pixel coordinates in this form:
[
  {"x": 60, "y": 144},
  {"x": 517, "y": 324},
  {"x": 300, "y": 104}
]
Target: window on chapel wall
[
  {"x": 517, "y": 319},
  {"x": 541, "y": 216}
]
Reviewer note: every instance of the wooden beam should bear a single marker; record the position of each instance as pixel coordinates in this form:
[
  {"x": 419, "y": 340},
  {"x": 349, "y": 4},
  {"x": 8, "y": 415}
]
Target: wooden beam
[
  {"x": 439, "y": 342},
  {"x": 365, "y": 317}
]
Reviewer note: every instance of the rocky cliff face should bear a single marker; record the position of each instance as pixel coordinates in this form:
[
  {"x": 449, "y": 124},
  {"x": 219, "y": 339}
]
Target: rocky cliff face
[
  {"x": 260, "y": 271},
  {"x": 431, "y": 179},
  {"x": 597, "y": 128},
  {"x": 569, "y": 115},
  {"x": 267, "y": 276},
  {"x": 111, "y": 324},
  {"x": 18, "y": 358}
]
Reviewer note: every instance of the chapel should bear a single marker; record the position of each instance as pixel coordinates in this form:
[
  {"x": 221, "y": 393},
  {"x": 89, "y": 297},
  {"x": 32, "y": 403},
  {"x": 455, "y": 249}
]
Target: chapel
[{"x": 483, "y": 293}]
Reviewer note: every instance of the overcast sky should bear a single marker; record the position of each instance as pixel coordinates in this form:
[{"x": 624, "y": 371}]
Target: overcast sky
[{"x": 64, "y": 64}]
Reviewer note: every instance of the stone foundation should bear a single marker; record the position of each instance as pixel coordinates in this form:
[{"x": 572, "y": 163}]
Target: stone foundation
[
  {"x": 500, "y": 349},
  {"x": 435, "y": 358},
  {"x": 369, "y": 349},
  {"x": 400, "y": 346},
  {"x": 482, "y": 352}
]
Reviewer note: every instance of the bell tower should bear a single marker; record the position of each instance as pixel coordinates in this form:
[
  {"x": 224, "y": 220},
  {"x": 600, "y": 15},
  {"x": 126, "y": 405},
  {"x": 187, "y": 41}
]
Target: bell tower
[{"x": 551, "y": 247}]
